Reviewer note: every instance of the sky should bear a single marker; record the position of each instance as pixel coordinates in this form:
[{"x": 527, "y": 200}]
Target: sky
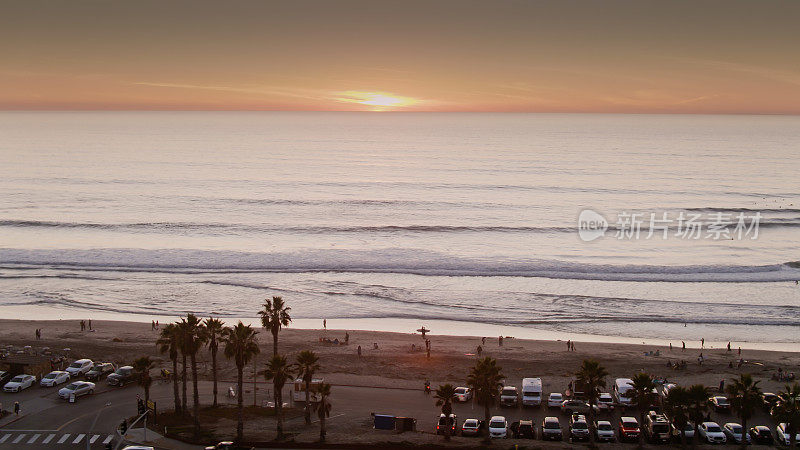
[{"x": 615, "y": 56}]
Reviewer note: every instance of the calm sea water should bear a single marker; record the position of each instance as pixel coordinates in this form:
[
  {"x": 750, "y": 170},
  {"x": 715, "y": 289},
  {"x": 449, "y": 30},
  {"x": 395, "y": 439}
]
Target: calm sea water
[{"x": 462, "y": 217}]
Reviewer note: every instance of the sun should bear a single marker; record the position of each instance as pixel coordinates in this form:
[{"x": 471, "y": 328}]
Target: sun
[{"x": 380, "y": 101}]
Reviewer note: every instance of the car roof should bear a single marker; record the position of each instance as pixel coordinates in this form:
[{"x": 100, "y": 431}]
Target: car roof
[
  {"x": 497, "y": 418},
  {"x": 603, "y": 422},
  {"x": 83, "y": 360},
  {"x": 628, "y": 419},
  {"x": 551, "y": 419},
  {"x": 708, "y": 424},
  {"x": 526, "y": 422},
  {"x": 557, "y": 394},
  {"x": 471, "y": 420}
]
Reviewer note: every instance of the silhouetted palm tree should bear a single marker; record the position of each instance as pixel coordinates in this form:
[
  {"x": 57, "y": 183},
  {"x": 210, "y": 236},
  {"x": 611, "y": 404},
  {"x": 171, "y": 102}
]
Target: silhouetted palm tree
[
  {"x": 445, "y": 395},
  {"x": 787, "y": 410},
  {"x": 592, "y": 376},
  {"x": 213, "y": 332},
  {"x": 182, "y": 343},
  {"x": 323, "y": 408},
  {"x": 698, "y": 406},
  {"x": 241, "y": 345},
  {"x": 169, "y": 342},
  {"x": 486, "y": 379},
  {"x": 306, "y": 367},
  {"x": 275, "y": 316},
  {"x": 745, "y": 396},
  {"x": 280, "y": 372},
  {"x": 142, "y": 366},
  {"x": 642, "y": 394},
  {"x": 193, "y": 341},
  {"x": 676, "y": 406}
]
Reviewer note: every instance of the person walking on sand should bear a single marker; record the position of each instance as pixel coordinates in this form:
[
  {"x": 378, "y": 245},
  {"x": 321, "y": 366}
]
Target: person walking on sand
[
  {"x": 573, "y": 346},
  {"x": 90, "y": 325},
  {"x": 729, "y": 345},
  {"x": 670, "y": 346},
  {"x": 569, "y": 345},
  {"x": 702, "y": 342},
  {"x": 346, "y": 338},
  {"x": 483, "y": 340},
  {"x": 683, "y": 346},
  {"x": 500, "y": 340},
  {"x": 359, "y": 351},
  {"x": 324, "y": 324},
  {"x": 740, "y": 351}
]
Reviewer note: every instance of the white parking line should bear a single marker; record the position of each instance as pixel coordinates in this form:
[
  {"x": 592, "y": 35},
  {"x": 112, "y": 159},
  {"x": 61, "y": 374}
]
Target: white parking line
[
  {"x": 63, "y": 439},
  {"x": 19, "y": 438},
  {"x": 48, "y": 439},
  {"x": 108, "y": 439},
  {"x": 33, "y": 438},
  {"x": 94, "y": 438},
  {"x": 4, "y": 438},
  {"x": 78, "y": 439}
]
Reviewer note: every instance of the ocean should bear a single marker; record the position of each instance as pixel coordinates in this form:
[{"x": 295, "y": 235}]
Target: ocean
[{"x": 467, "y": 219}]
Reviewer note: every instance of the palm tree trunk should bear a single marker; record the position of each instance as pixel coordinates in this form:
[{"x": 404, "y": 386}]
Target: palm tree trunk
[
  {"x": 239, "y": 404},
  {"x": 184, "y": 406},
  {"x": 175, "y": 390},
  {"x": 486, "y": 417},
  {"x": 322, "y": 428},
  {"x": 279, "y": 410},
  {"x": 274, "y": 342},
  {"x": 276, "y": 398},
  {"x": 591, "y": 421},
  {"x": 195, "y": 395},
  {"x": 214, "y": 373},
  {"x": 308, "y": 403},
  {"x": 744, "y": 432},
  {"x": 448, "y": 425}
]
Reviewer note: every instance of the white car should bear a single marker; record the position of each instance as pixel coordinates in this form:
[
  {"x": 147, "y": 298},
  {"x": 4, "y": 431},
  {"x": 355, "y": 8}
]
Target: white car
[
  {"x": 463, "y": 394},
  {"x": 54, "y": 378},
  {"x": 711, "y": 433},
  {"x": 19, "y": 383},
  {"x": 77, "y": 388},
  {"x": 79, "y": 367},
  {"x": 605, "y": 402},
  {"x": 554, "y": 400},
  {"x": 733, "y": 432},
  {"x": 498, "y": 427},
  {"x": 604, "y": 431},
  {"x": 783, "y": 434}
]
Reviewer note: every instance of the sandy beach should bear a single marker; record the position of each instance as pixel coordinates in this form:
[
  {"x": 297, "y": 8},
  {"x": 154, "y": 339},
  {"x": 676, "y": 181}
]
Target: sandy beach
[{"x": 394, "y": 363}]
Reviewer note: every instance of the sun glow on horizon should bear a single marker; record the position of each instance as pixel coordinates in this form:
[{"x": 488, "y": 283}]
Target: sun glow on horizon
[{"x": 380, "y": 101}]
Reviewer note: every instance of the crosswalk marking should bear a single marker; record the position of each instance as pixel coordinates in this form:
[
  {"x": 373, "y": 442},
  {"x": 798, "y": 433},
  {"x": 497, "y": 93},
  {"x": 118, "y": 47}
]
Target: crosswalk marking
[
  {"x": 34, "y": 438},
  {"x": 94, "y": 438},
  {"x": 108, "y": 439},
  {"x": 48, "y": 438},
  {"x": 4, "y": 438},
  {"x": 79, "y": 438},
  {"x": 63, "y": 439},
  {"x": 45, "y": 438},
  {"x": 19, "y": 438}
]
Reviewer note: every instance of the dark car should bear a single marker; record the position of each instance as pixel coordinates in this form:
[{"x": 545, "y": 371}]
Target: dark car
[
  {"x": 761, "y": 435},
  {"x": 99, "y": 370},
  {"x": 523, "y": 429},
  {"x": 769, "y": 400},
  {"x": 122, "y": 376},
  {"x": 5, "y": 377},
  {"x": 441, "y": 425}
]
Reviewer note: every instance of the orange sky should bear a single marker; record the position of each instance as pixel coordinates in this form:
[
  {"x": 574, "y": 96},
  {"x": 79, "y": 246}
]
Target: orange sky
[{"x": 711, "y": 56}]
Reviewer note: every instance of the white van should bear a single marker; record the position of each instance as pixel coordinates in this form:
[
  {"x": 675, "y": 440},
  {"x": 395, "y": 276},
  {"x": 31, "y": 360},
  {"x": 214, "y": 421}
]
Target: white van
[
  {"x": 621, "y": 388},
  {"x": 531, "y": 391}
]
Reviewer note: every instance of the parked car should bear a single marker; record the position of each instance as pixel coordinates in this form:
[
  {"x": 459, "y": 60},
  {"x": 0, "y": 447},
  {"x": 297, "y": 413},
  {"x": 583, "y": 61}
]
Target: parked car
[
  {"x": 79, "y": 368},
  {"x": 629, "y": 429},
  {"x": 720, "y": 403},
  {"x": 76, "y": 388},
  {"x": 605, "y": 402},
  {"x": 574, "y": 406},
  {"x": 769, "y": 400},
  {"x": 19, "y": 383},
  {"x": 761, "y": 435},
  {"x": 471, "y": 427},
  {"x": 551, "y": 429},
  {"x": 656, "y": 428},
  {"x": 122, "y": 376},
  {"x": 525, "y": 429},
  {"x": 463, "y": 394},
  {"x": 441, "y": 425},
  {"x": 554, "y": 400},
  {"x": 498, "y": 427},
  {"x": 783, "y": 435},
  {"x": 711, "y": 432},
  {"x": 665, "y": 390},
  {"x": 622, "y": 387},
  {"x": 578, "y": 428},
  {"x": 5, "y": 377},
  {"x": 508, "y": 396},
  {"x": 733, "y": 432},
  {"x": 99, "y": 370},
  {"x": 531, "y": 391},
  {"x": 54, "y": 378},
  {"x": 603, "y": 431}
]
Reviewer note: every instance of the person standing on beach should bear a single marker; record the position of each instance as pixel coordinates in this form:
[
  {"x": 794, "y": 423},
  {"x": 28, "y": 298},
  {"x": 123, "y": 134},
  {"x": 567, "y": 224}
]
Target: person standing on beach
[
  {"x": 500, "y": 340},
  {"x": 483, "y": 340},
  {"x": 729, "y": 345},
  {"x": 740, "y": 351},
  {"x": 346, "y": 338},
  {"x": 702, "y": 342},
  {"x": 359, "y": 351},
  {"x": 683, "y": 346},
  {"x": 324, "y": 324},
  {"x": 670, "y": 346},
  {"x": 90, "y": 325},
  {"x": 569, "y": 345}
]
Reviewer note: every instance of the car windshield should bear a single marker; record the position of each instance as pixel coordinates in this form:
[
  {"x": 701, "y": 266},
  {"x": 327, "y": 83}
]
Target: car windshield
[
  {"x": 471, "y": 423},
  {"x": 714, "y": 429},
  {"x": 508, "y": 391},
  {"x": 73, "y": 386},
  {"x": 629, "y": 424},
  {"x": 460, "y": 391},
  {"x": 49, "y": 376},
  {"x": 604, "y": 426},
  {"x": 551, "y": 425},
  {"x": 604, "y": 398},
  {"x": 764, "y": 432},
  {"x": 722, "y": 400},
  {"x": 75, "y": 365},
  {"x": 579, "y": 425},
  {"x": 555, "y": 396},
  {"x": 497, "y": 424},
  {"x": 122, "y": 371},
  {"x": 18, "y": 378}
]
